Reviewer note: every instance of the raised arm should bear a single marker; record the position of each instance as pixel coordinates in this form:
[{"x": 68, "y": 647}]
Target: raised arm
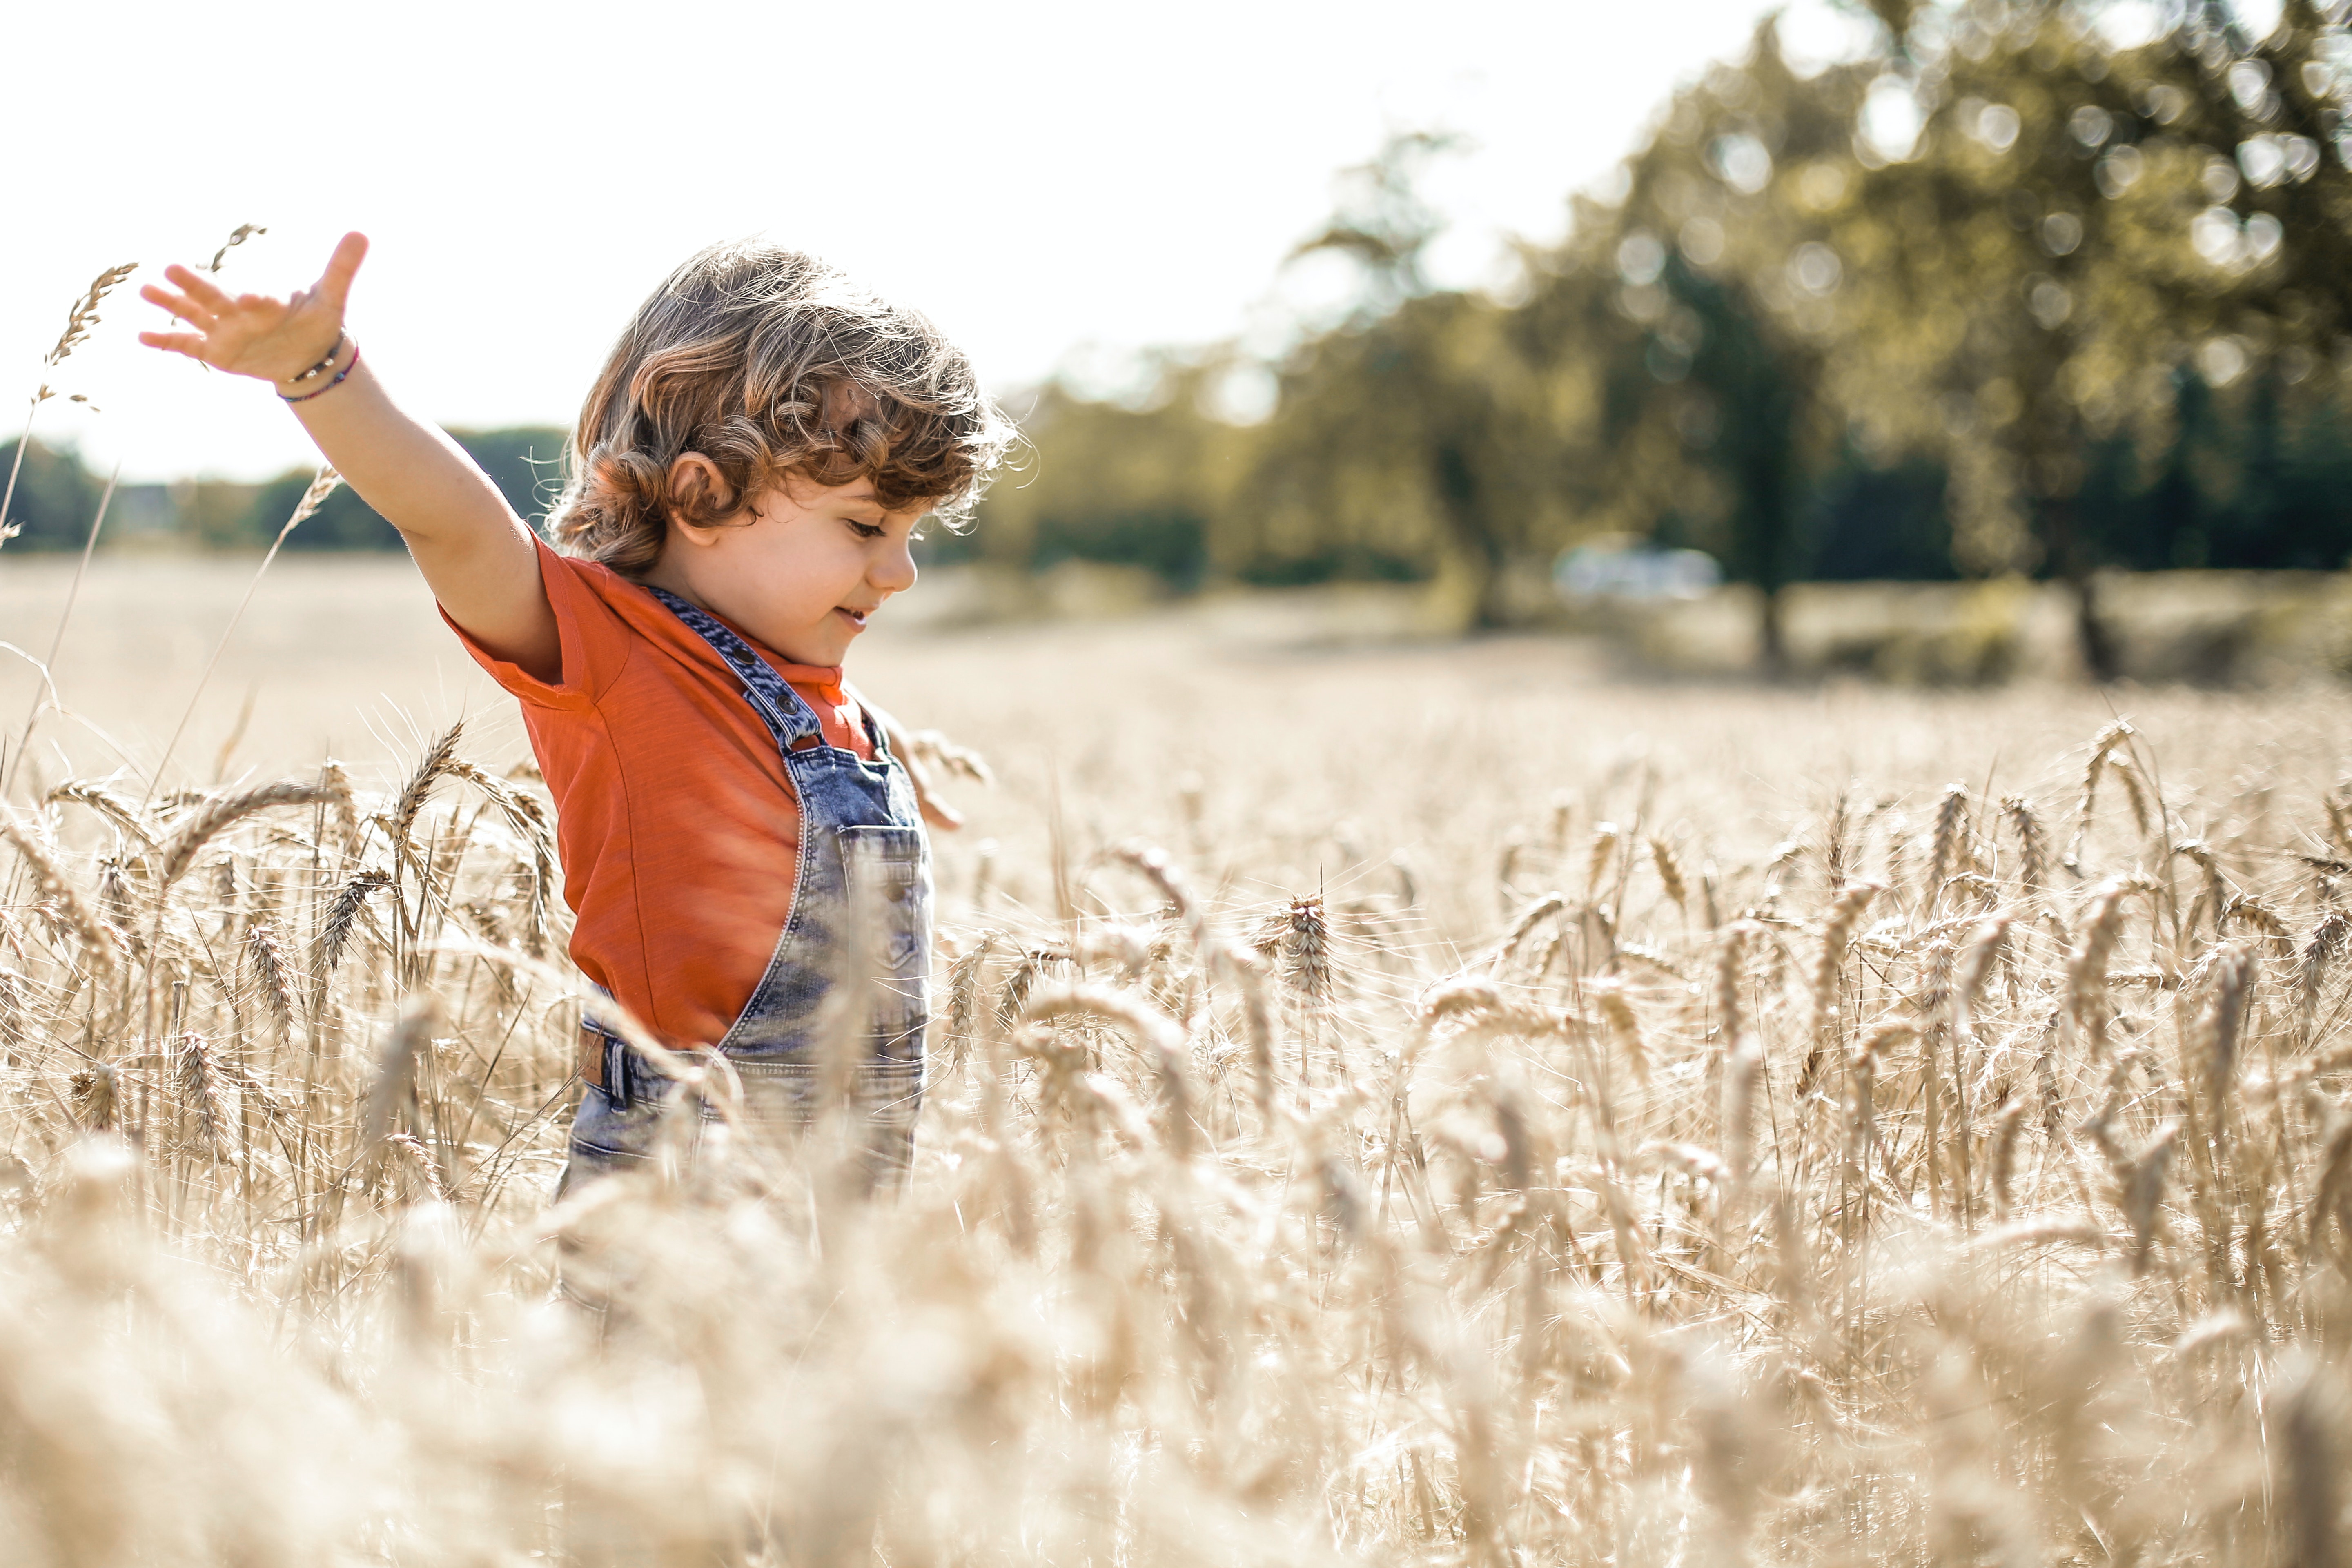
[{"x": 476, "y": 553}]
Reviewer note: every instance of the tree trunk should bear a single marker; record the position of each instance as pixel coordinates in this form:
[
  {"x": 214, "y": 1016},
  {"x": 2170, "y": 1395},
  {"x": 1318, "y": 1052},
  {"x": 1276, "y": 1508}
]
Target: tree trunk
[
  {"x": 1458, "y": 493},
  {"x": 2095, "y": 643},
  {"x": 1493, "y": 609},
  {"x": 1772, "y": 638}
]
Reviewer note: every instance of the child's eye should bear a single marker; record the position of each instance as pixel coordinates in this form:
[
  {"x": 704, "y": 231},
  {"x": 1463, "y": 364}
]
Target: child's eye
[{"x": 865, "y": 530}]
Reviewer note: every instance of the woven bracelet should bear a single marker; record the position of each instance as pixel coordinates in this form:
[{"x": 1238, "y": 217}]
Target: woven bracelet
[
  {"x": 324, "y": 365},
  {"x": 330, "y": 385}
]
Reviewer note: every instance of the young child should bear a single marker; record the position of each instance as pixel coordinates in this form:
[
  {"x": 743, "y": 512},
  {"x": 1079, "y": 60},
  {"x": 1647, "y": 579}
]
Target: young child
[{"x": 746, "y": 477}]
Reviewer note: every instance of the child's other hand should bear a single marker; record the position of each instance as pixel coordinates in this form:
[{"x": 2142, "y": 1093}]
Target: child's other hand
[{"x": 254, "y": 334}]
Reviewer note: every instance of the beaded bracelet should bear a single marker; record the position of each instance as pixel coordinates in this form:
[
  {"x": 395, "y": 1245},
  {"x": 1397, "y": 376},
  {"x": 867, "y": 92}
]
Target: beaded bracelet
[
  {"x": 330, "y": 385},
  {"x": 324, "y": 365}
]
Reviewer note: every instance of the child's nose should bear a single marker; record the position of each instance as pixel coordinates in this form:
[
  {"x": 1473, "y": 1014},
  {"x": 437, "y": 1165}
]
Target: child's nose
[{"x": 894, "y": 571}]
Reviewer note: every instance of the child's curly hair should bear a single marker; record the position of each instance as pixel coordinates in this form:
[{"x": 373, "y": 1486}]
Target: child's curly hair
[{"x": 772, "y": 364}]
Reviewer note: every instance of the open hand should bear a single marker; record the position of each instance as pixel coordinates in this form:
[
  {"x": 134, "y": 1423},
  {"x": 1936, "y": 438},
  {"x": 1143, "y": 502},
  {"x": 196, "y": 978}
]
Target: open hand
[{"x": 254, "y": 334}]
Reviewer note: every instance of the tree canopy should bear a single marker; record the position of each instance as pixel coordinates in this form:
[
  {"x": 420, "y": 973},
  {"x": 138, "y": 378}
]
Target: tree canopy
[{"x": 1996, "y": 298}]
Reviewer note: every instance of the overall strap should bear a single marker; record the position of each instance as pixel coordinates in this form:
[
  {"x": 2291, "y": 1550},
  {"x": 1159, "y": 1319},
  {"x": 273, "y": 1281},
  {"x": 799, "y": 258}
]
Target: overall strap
[{"x": 788, "y": 719}]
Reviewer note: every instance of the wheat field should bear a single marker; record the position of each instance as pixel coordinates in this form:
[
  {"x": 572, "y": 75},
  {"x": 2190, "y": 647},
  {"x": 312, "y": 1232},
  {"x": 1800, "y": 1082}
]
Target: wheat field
[{"x": 1388, "y": 1103}]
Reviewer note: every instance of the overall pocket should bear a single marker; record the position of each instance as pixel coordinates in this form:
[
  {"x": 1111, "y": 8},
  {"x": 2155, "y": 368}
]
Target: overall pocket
[
  {"x": 888, "y": 879},
  {"x": 887, "y": 882}
]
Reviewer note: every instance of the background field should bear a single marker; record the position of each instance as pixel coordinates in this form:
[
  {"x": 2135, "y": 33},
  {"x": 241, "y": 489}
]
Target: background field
[{"x": 1326, "y": 736}]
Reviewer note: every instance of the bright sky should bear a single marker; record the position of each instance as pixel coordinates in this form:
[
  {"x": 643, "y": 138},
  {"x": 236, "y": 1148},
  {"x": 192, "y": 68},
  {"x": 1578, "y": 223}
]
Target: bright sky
[{"x": 1045, "y": 180}]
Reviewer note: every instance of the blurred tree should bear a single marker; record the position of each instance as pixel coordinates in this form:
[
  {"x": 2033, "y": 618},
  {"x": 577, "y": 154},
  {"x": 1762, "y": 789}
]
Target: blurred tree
[
  {"x": 1414, "y": 438},
  {"x": 1134, "y": 486},
  {"x": 2035, "y": 241},
  {"x": 1383, "y": 224},
  {"x": 220, "y": 514},
  {"x": 524, "y": 461},
  {"x": 1973, "y": 253},
  {"x": 1993, "y": 297},
  {"x": 1714, "y": 425},
  {"x": 1404, "y": 444},
  {"x": 343, "y": 522},
  {"x": 56, "y": 498},
  {"x": 2270, "y": 260},
  {"x": 2276, "y": 109},
  {"x": 1871, "y": 520}
]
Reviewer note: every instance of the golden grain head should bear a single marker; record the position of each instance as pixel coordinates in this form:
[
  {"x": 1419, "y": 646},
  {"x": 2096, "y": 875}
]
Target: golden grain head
[{"x": 237, "y": 236}]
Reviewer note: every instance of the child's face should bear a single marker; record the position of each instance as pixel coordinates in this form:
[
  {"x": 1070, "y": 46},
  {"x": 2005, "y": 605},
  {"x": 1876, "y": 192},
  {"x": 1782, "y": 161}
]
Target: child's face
[{"x": 805, "y": 572}]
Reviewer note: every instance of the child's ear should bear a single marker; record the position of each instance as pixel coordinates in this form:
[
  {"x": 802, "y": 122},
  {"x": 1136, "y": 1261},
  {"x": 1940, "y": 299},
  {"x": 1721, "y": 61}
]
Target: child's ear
[{"x": 697, "y": 488}]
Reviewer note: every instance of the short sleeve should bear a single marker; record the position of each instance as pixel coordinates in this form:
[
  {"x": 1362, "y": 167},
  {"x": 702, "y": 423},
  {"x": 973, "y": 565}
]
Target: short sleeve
[{"x": 595, "y": 642}]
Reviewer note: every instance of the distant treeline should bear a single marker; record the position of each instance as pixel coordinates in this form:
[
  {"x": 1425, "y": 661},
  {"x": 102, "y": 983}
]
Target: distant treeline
[
  {"x": 58, "y": 495},
  {"x": 1998, "y": 299},
  {"x": 2242, "y": 477}
]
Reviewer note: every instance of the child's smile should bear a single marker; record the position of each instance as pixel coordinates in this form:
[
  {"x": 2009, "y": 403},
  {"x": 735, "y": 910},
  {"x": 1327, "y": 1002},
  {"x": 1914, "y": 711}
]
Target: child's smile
[{"x": 803, "y": 573}]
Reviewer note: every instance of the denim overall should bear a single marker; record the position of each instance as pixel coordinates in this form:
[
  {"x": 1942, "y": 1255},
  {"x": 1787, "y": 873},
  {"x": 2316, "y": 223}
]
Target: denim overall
[{"x": 862, "y": 848}]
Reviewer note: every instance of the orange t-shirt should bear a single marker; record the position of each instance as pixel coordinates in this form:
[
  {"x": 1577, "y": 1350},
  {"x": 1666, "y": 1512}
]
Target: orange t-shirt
[{"x": 674, "y": 820}]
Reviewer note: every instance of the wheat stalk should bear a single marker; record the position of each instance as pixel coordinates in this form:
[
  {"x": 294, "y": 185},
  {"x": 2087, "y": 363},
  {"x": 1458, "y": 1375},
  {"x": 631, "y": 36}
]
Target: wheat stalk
[
  {"x": 343, "y": 914},
  {"x": 237, "y": 236},
  {"x": 1837, "y": 932},
  {"x": 121, "y": 813},
  {"x": 78, "y": 320},
  {"x": 99, "y": 945},
  {"x": 193, "y": 1071},
  {"x": 222, "y": 811}
]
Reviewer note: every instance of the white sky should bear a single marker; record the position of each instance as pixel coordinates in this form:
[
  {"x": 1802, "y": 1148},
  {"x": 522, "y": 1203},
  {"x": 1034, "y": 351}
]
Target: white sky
[{"x": 1038, "y": 177}]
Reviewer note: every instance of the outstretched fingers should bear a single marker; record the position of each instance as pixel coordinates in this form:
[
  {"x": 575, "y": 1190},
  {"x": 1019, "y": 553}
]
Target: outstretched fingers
[
  {"x": 199, "y": 287},
  {"x": 179, "y": 305},
  {"x": 189, "y": 343}
]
